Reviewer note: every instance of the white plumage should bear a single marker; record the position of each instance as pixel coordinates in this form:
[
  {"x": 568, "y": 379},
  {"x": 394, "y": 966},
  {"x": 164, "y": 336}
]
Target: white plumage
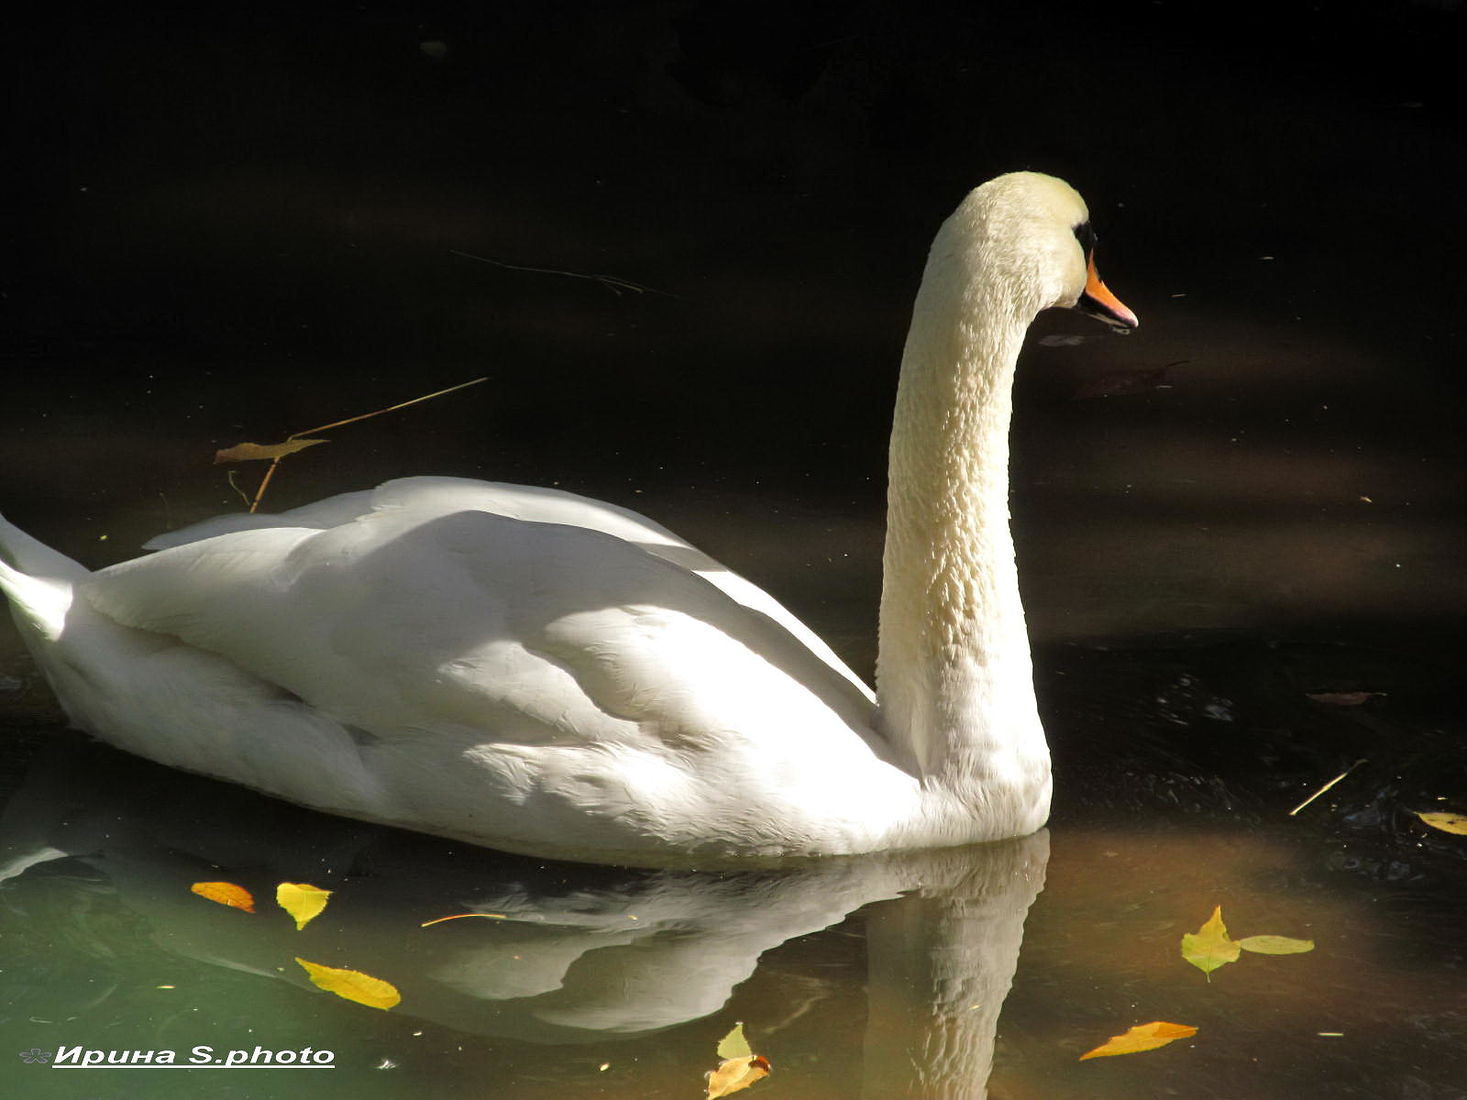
[{"x": 540, "y": 672}]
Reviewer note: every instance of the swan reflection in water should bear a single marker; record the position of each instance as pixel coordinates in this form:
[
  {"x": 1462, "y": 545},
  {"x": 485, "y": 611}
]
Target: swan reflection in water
[{"x": 582, "y": 955}]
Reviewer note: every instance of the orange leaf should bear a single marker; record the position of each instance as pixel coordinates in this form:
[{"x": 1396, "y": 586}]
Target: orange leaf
[
  {"x": 251, "y": 452},
  {"x": 302, "y": 901},
  {"x": 1141, "y": 1037},
  {"x": 736, "y": 1074},
  {"x": 353, "y": 985},
  {"x": 225, "y": 893}
]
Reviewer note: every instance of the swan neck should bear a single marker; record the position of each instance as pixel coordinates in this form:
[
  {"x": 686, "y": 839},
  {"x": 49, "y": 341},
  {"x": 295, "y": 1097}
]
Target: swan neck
[{"x": 954, "y": 677}]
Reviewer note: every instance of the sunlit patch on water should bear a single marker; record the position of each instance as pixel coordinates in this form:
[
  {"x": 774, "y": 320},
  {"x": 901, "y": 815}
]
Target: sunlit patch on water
[{"x": 918, "y": 974}]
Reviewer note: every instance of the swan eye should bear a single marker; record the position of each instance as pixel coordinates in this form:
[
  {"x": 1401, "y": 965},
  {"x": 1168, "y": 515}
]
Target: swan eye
[{"x": 1086, "y": 236}]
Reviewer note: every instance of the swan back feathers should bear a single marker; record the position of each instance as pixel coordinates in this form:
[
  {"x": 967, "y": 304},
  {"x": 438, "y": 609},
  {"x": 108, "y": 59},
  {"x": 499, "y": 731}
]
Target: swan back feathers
[{"x": 540, "y": 672}]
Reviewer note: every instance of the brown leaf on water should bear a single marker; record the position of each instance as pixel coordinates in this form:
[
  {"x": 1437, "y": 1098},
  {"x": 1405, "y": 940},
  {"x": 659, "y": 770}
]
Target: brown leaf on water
[
  {"x": 1275, "y": 945},
  {"x": 302, "y": 901},
  {"x": 296, "y": 440},
  {"x": 226, "y": 893},
  {"x": 740, "y": 1067},
  {"x": 253, "y": 452},
  {"x": 1209, "y": 947},
  {"x": 1141, "y": 1037},
  {"x": 737, "y": 1074},
  {"x": 353, "y": 985},
  {"x": 1447, "y": 823},
  {"x": 1342, "y": 698}
]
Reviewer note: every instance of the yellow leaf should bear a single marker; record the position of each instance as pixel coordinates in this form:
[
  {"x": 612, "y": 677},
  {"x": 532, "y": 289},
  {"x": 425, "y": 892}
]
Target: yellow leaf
[
  {"x": 1209, "y": 947},
  {"x": 1447, "y": 823},
  {"x": 1275, "y": 945},
  {"x": 302, "y": 901},
  {"x": 250, "y": 452},
  {"x": 353, "y": 985},
  {"x": 736, "y": 1074},
  {"x": 225, "y": 893},
  {"x": 734, "y": 1045},
  {"x": 1141, "y": 1037}
]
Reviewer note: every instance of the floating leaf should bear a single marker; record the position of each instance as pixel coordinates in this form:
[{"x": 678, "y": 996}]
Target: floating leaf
[
  {"x": 461, "y": 916},
  {"x": 302, "y": 901},
  {"x": 353, "y": 985},
  {"x": 1342, "y": 698},
  {"x": 226, "y": 893},
  {"x": 737, "y": 1074},
  {"x": 1209, "y": 947},
  {"x": 1275, "y": 945},
  {"x": 1141, "y": 1037},
  {"x": 1447, "y": 823},
  {"x": 740, "y": 1067},
  {"x": 734, "y": 1044},
  {"x": 254, "y": 452}
]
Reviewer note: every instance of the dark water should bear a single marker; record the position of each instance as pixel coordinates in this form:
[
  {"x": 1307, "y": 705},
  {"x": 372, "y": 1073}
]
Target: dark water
[{"x": 238, "y": 227}]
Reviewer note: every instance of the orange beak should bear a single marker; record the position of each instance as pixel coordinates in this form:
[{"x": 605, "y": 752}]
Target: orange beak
[{"x": 1100, "y": 303}]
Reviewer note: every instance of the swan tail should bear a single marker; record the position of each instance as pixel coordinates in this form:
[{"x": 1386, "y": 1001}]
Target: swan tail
[{"x": 37, "y": 580}]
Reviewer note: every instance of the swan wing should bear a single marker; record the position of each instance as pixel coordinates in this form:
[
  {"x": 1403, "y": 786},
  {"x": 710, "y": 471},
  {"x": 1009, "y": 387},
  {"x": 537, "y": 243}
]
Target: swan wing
[
  {"x": 319, "y": 515},
  {"x": 447, "y": 495},
  {"x": 415, "y": 617}
]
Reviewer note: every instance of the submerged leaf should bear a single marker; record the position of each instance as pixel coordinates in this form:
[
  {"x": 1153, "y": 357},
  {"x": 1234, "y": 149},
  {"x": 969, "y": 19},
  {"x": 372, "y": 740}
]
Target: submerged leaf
[
  {"x": 226, "y": 893},
  {"x": 252, "y": 452},
  {"x": 302, "y": 901},
  {"x": 1275, "y": 945},
  {"x": 1447, "y": 823},
  {"x": 1342, "y": 698},
  {"x": 353, "y": 985},
  {"x": 1122, "y": 383},
  {"x": 737, "y": 1074},
  {"x": 1209, "y": 947},
  {"x": 1141, "y": 1037}
]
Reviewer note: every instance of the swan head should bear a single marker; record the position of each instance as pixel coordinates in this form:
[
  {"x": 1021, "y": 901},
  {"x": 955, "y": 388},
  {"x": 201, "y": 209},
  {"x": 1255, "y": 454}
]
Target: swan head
[{"x": 1037, "y": 228}]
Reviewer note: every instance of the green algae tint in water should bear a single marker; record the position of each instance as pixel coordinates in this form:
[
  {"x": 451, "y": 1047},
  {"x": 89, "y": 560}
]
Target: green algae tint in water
[{"x": 923, "y": 974}]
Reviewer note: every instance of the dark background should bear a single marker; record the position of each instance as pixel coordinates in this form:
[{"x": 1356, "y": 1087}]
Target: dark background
[
  {"x": 229, "y": 225},
  {"x": 1240, "y": 529}
]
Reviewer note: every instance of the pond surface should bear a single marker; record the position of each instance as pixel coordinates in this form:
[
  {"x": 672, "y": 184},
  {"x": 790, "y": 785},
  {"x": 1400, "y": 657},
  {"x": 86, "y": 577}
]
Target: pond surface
[
  {"x": 1239, "y": 531},
  {"x": 921, "y": 974},
  {"x": 926, "y": 974}
]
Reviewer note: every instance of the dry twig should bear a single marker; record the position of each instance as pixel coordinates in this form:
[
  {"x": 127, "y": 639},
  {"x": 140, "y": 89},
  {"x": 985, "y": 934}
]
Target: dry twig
[
  {"x": 293, "y": 442},
  {"x": 1326, "y": 787}
]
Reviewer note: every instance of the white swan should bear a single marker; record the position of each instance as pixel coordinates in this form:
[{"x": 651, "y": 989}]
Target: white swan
[{"x": 538, "y": 672}]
